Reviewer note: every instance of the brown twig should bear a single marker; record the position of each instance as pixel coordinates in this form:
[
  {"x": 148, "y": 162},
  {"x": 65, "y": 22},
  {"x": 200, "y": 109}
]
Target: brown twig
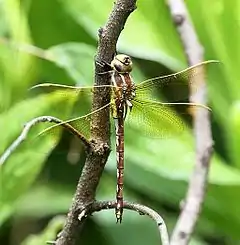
[
  {"x": 100, "y": 133},
  {"x": 202, "y": 129},
  {"x": 142, "y": 210}
]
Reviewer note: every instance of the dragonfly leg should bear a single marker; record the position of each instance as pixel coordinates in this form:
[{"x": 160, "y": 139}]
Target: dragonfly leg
[
  {"x": 103, "y": 64},
  {"x": 119, "y": 211},
  {"x": 105, "y": 72}
]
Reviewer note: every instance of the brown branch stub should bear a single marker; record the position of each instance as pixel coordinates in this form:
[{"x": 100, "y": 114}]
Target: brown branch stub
[
  {"x": 100, "y": 128},
  {"x": 142, "y": 210},
  {"x": 202, "y": 130}
]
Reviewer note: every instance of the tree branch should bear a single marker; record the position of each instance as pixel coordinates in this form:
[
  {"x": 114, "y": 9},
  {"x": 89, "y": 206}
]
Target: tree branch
[
  {"x": 100, "y": 132},
  {"x": 202, "y": 130},
  {"x": 142, "y": 210}
]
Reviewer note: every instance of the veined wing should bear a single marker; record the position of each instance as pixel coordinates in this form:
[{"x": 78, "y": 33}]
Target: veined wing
[
  {"x": 45, "y": 137},
  {"x": 174, "y": 86},
  {"x": 53, "y": 87},
  {"x": 160, "y": 120},
  {"x": 80, "y": 125},
  {"x": 81, "y": 96},
  {"x": 79, "y": 116}
]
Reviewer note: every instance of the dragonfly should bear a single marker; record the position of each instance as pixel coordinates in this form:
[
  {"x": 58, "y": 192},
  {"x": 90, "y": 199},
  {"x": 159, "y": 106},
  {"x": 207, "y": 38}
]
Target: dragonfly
[{"x": 136, "y": 103}]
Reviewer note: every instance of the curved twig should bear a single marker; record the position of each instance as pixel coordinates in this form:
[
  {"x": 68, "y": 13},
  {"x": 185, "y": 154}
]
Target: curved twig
[
  {"x": 141, "y": 209},
  {"x": 22, "y": 137},
  {"x": 202, "y": 129}
]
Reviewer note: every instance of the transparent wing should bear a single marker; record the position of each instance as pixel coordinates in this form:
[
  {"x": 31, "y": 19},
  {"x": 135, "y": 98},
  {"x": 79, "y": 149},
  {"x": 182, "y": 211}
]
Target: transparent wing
[
  {"x": 80, "y": 96},
  {"x": 74, "y": 135},
  {"x": 175, "y": 86},
  {"x": 159, "y": 120},
  {"x": 79, "y": 126},
  {"x": 77, "y": 118}
]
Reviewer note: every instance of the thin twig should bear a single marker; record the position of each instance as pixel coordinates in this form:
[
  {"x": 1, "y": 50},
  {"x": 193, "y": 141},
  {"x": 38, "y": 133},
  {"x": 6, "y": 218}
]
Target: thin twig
[
  {"x": 100, "y": 129},
  {"x": 202, "y": 129},
  {"x": 142, "y": 210},
  {"x": 23, "y": 136}
]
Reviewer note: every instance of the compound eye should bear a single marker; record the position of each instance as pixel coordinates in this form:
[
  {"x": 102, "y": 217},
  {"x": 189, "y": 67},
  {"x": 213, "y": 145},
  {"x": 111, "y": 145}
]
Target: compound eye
[{"x": 126, "y": 60}]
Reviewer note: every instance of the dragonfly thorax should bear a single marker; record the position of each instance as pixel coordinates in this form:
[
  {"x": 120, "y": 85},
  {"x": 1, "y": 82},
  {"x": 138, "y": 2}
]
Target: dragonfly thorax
[
  {"x": 123, "y": 85},
  {"x": 121, "y": 78}
]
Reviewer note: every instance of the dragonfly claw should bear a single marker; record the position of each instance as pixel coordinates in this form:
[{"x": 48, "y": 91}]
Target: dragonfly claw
[{"x": 118, "y": 213}]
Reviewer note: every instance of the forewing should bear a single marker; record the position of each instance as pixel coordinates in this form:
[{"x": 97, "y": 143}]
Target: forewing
[
  {"x": 76, "y": 122},
  {"x": 175, "y": 86}
]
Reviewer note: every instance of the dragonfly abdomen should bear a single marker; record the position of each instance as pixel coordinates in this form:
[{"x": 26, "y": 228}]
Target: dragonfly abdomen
[
  {"x": 124, "y": 93},
  {"x": 119, "y": 127}
]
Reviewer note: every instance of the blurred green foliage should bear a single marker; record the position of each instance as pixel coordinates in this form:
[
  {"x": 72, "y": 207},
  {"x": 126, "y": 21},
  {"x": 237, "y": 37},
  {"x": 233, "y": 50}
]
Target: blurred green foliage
[{"x": 36, "y": 187}]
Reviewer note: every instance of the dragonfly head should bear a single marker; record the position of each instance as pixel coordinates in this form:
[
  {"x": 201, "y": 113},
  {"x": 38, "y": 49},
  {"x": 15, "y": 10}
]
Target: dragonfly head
[{"x": 122, "y": 63}]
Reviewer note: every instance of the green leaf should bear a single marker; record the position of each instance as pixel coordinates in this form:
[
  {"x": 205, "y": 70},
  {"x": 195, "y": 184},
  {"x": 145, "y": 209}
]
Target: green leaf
[
  {"x": 23, "y": 166},
  {"x": 234, "y": 133},
  {"x": 77, "y": 59},
  {"x": 48, "y": 234},
  {"x": 148, "y": 42},
  {"x": 12, "y": 84}
]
